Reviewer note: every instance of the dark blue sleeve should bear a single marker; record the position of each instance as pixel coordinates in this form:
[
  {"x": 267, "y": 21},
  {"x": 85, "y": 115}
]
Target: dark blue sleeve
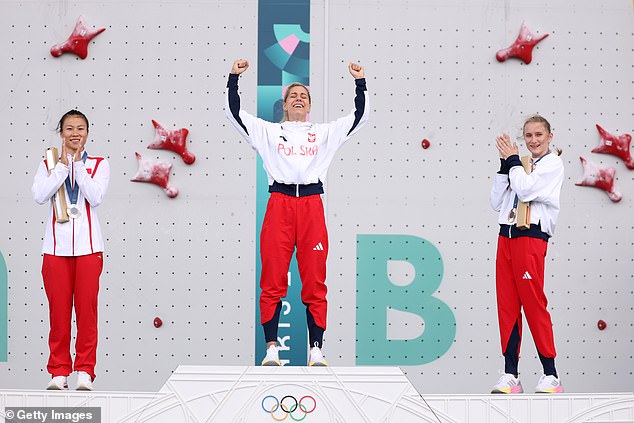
[
  {"x": 359, "y": 102},
  {"x": 513, "y": 161},
  {"x": 504, "y": 167},
  {"x": 234, "y": 99}
]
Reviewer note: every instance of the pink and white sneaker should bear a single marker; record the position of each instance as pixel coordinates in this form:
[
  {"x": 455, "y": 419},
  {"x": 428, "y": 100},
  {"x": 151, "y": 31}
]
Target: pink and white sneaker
[
  {"x": 549, "y": 385},
  {"x": 508, "y": 384}
]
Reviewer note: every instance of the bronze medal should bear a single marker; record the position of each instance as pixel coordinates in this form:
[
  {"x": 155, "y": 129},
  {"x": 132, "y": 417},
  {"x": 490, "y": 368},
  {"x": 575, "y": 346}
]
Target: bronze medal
[{"x": 512, "y": 215}]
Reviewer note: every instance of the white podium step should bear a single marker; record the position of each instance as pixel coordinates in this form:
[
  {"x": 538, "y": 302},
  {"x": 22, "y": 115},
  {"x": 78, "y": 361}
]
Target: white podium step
[{"x": 246, "y": 394}]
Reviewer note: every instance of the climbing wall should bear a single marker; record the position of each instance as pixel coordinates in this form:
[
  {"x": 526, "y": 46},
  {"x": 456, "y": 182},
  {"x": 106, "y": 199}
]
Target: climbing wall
[{"x": 411, "y": 223}]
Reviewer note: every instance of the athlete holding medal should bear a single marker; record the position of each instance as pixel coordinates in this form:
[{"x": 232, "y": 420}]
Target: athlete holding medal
[
  {"x": 73, "y": 252},
  {"x": 519, "y": 279}
]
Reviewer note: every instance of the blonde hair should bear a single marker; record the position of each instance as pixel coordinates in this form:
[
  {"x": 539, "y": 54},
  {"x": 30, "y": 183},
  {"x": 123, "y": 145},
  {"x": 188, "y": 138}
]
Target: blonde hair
[
  {"x": 288, "y": 91},
  {"x": 542, "y": 120}
]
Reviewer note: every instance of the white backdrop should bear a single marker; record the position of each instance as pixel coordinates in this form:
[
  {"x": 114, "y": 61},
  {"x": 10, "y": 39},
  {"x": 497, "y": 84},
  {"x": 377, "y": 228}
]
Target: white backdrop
[{"x": 432, "y": 74}]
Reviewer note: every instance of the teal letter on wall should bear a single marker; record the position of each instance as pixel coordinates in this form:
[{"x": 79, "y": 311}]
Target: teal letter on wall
[{"x": 379, "y": 296}]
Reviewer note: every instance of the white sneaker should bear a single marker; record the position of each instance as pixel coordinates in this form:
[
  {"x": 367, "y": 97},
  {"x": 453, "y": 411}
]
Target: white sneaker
[
  {"x": 272, "y": 357},
  {"x": 549, "y": 385},
  {"x": 317, "y": 358},
  {"x": 58, "y": 383},
  {"x": 508, "y": 384},
  {"x": 84, "y": 381}
]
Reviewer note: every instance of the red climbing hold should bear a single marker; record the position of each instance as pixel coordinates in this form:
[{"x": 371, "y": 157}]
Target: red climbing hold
[
  {"x": 523, "y": 46},
  {"x": 78, "y": 41}
]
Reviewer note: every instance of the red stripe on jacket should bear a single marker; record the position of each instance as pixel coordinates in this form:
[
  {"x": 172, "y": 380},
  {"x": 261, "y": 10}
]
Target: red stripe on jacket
[
  {"x": 54, "y": 237},
  {"x": 92, "y": 175}
]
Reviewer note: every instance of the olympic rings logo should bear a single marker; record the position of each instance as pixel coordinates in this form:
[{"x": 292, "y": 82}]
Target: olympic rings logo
[{"x": 288, "y": 406}]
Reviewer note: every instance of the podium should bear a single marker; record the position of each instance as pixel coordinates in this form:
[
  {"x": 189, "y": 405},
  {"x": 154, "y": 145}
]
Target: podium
[
  {"x": 310, "y": 394},
  {"x": 248, "y": 394}
]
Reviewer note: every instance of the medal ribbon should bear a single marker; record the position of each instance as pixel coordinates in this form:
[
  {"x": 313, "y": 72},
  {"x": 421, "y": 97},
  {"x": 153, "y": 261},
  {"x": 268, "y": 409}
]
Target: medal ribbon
[{"x": 71, "y": 186}]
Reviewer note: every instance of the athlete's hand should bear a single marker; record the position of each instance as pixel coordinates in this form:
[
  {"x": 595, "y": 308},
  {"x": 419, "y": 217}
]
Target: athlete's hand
[
  {"x": 356, "y": 70},
  {"x": 239, "y": 66},
  {"x": 79, "y": 152},
  {"x": 505, "y": 147},
  {"x": 64, "y": 158}
]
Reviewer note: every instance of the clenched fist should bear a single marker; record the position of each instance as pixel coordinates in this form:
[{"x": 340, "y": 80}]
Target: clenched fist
[
  {"x": 356, "y": 70},
  {"x": 239, "y": 66}
]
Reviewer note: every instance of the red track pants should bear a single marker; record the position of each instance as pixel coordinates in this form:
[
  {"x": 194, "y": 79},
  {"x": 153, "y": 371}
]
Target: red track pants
[
  {"x": 292, "y": 222},
  {"x": 519, "y": 283},
  {"x": 72, "y": 281}
]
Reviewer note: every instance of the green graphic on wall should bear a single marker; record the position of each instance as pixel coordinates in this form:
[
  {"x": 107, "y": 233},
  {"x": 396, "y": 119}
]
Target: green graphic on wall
[
  {"x": 283, "y": 58},
  {"x": 378, "y": 297},
  {"x": 4, "y": 316}
]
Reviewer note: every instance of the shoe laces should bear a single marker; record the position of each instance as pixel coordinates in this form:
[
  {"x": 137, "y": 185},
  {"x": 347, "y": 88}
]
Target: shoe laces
[
  {"x": 271, "y": 352},
  {"x": 315, "y": 354},
  {"x": 548, "y": 380},
  {"x": 84, "y": 377},
  {"x": 506, "y": 378}
]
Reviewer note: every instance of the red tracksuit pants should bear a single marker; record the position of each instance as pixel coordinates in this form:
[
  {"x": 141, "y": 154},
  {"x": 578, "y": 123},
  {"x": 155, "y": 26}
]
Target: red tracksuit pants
[
  {"x": 72, "y": 281},
  {"x": 519, "y": 283},
  {"x": 292, "y": 222}
]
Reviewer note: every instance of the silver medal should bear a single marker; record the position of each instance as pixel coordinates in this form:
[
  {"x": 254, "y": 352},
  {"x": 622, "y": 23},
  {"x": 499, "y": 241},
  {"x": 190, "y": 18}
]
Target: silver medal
[{"x": 73, "y": 211}]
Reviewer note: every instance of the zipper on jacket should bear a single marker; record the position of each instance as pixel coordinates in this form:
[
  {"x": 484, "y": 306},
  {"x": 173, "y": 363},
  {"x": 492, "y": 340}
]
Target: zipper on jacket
[{"x": 296, "y": 190}]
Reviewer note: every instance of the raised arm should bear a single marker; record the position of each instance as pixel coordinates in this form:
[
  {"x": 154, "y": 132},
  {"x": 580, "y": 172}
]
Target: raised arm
[
  {"x": 233, "y": 98},
  {"x": 360, "y": 100}
]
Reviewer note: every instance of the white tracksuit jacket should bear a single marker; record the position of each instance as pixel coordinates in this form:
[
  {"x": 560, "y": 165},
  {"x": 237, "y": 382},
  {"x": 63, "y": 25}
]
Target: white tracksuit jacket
[
  {"x": 541, "y": 188},
  {"x": 296, "y": 152},
  {"x": 79, "y": 236}
]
